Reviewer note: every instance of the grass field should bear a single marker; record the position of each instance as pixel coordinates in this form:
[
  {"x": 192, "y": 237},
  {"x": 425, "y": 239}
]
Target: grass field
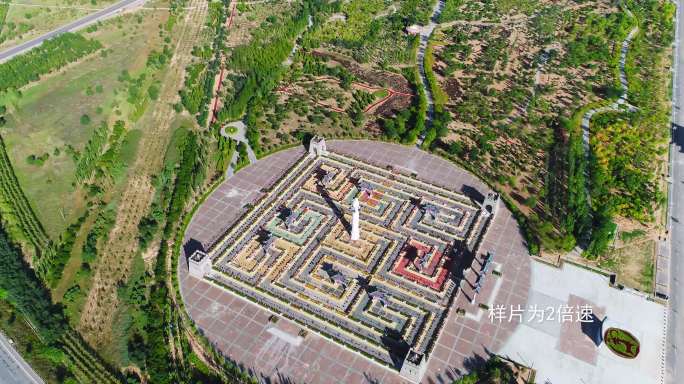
[
  {"x": 4, "y": 8},
  {"x": 118, "y": 246},
  {"x": 37, "y": 123},
  {"x": 26, "y": 22},
  {"x": 633, "y": 263}
]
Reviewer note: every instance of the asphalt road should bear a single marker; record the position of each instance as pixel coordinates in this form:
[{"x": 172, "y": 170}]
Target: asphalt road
[
  {"x": 13, "y": 368},
  {"x": 73, "y": 26},
  {"x": 675, "y": 344}
]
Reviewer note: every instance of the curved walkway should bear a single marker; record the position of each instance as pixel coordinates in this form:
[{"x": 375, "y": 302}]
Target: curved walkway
[
  {"x": 243, "y": 332},
  {"x": 240, "y": 137},
  {"x": 295, "y": 47},
  {"x": 621, "y": 103}
]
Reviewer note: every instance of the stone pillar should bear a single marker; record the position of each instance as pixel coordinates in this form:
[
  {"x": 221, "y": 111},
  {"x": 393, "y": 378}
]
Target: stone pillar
[
  {"x": 414, "y": 366},
  {"x": 491, "y": 204},
  {"x": 355, "y": 230},
  {"x": 199, "y": 264},
  {"x": 317, "y": 146}
]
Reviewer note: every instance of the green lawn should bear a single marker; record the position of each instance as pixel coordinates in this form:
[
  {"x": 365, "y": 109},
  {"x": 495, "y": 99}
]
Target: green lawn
[
  {"x": 47, "y": 117},
  {"x": 4, "y": 8},
  {"x": 24, "y": 23}
]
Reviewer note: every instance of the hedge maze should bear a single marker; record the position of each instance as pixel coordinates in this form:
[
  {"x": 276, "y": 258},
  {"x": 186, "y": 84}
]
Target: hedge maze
[{"x": 381, "y": 295}]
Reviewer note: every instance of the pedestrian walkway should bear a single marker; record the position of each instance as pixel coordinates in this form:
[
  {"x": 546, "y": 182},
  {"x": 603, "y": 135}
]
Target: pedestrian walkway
[{"x": 558, "y": 347}]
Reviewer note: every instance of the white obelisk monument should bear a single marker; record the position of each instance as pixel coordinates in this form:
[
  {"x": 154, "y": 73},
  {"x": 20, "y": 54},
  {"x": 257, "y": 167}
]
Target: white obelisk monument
[{"x": 355, "y": 231}]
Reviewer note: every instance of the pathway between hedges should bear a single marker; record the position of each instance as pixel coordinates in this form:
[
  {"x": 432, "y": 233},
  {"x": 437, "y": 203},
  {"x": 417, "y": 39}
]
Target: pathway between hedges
[{"x": 425, "y": 34}]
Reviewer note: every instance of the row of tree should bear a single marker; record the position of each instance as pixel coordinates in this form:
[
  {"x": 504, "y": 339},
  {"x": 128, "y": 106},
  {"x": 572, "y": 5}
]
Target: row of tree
[{"x": 49, "y": 56}]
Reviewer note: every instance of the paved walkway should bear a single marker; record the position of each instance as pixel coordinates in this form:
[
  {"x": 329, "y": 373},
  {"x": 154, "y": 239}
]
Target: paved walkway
[
  {"x": 621, "y": 103},
  {"x": 295, "y": 47},
  {"x": 562, "y": 354},
  {"x": 240, "y": 137},
  {"x": 671, "y": 252}
]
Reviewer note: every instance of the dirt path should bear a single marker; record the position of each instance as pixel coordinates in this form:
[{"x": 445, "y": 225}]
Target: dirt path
[
  {"x": 218, "y": 84},
  {"x": 118, "y": 252},
  {"x": 390, "y": 94}
]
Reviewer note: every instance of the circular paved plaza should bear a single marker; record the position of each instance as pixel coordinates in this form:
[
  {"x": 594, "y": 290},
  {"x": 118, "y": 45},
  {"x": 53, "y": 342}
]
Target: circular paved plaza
[{"x": 272, "y": 278}]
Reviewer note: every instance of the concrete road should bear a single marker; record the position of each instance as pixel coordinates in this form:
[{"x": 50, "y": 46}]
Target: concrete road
[
  {"x": 73, "y": 26},
  {"x": 675, "y": 343},
  {"x": 13, "y": 368},
  {"x": 425, "y": 33}
]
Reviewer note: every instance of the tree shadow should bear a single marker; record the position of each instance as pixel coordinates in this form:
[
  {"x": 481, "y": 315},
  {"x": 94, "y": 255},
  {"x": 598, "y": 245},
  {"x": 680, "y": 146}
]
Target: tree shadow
[
  {"x": 411, "y": 252},
  {"x": 262, "y": 235},
  {"x": 304, "y": 136},
  {"x": 476, "y": 362},
  {"x": 283, "y": 379},
  {"x": 517, "y": 197},
  {"x": 461, "y": 259},
  {"x": 488, "y": 368},
  {"x": 319, "y": 174},
  {"x": 284, "y": 212}
]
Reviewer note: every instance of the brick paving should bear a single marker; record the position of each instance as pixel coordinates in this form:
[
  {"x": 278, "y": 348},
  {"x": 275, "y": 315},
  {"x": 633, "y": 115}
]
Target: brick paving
[{"x": 241, "y": 329}]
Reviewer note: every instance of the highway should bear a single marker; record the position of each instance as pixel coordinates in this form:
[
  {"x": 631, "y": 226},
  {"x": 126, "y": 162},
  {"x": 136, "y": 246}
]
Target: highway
[
  {"x": 13, "y": 368},
  {"x": 73, "y": 26},
  {"x": 675, "y": 343}
]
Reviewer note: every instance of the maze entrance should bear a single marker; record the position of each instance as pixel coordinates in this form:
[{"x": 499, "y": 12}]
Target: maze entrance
[{"x": 382, "y": 295}]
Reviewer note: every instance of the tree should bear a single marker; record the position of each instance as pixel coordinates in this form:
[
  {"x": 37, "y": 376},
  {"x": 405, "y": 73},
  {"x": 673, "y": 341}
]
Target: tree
[
  {"x": 85, "y": 119},
  {"x": 153, "y": 92},
  {"x": 52, "y": 54},
  {"x": 25, "y": 292},
  {"x": 493, "y": 370}
]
